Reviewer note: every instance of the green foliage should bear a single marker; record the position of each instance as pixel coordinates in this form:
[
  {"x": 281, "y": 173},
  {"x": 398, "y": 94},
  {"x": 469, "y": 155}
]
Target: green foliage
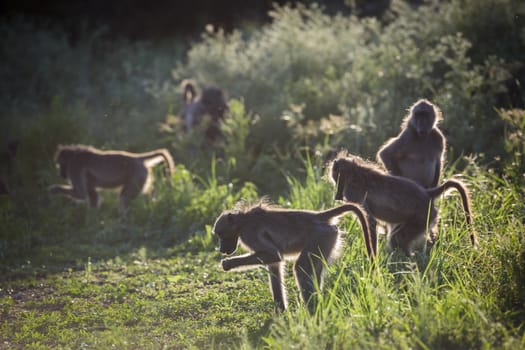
[
  {"x": 311, "y": 193},
  {"x": 368, "y": 74},
  {"x": 37, "y": 147},
  {"x": 514, "y": 145}
]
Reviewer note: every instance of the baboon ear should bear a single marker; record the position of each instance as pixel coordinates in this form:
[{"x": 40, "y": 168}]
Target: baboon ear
[{"x": 230, "y": 218}]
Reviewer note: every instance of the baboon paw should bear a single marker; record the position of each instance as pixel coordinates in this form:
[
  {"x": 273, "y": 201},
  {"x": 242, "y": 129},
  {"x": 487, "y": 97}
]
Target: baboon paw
[{"x": 226, "y": 264}]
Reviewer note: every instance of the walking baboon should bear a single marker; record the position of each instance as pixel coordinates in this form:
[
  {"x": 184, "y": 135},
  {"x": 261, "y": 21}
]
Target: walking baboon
[
  {"x": 393, "y": 199},
  {"x": 417, "y": 153},
  {"x": 275, "y": 234},
  {"x": 88, "y": 168},
  {"x": 212, "y": 102}
]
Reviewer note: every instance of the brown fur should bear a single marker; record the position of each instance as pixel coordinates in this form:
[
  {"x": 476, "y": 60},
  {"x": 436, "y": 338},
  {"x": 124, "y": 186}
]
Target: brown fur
[
  {"x": 88, "y": 168},
  {"x": 418, "y": 152},
  {"x": 273, "y": 234},
  {"x": 393, "y": 199},
  {"x": 212, "y": 102}
]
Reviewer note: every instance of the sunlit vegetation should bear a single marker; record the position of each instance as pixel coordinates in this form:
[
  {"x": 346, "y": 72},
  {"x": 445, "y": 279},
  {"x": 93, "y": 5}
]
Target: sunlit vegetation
[{"x": 299, "y": 89}]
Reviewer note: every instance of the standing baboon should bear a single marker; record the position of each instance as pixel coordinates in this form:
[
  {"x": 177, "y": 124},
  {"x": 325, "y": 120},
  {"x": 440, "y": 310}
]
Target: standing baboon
[
  {"x": 417, "y": 153},
  {"x": 393, "y": 199},
  {"x": 274, "y": 234},
  {"x": 88, "y": 168},
  {"x": 212, "y": 102}
]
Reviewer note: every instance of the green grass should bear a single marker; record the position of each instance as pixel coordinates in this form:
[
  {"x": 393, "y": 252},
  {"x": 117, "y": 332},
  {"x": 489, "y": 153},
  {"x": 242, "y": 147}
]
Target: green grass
[
  {"x": 180, "y": 300},
  {"x": 108, "y": 283}
]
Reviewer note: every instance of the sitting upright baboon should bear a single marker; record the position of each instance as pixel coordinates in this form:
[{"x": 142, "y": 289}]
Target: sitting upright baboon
[
  {"x": 212, "y": 102},
  {"x": 417, "y": 153},
  {"x": 88, "y": 168}
]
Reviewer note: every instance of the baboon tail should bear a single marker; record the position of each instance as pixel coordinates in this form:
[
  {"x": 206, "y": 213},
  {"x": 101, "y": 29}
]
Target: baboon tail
[
  {"x": 368, "y": 235},
  {"x": 465, "y": 200},
  {"x": 151, "y": 159}
]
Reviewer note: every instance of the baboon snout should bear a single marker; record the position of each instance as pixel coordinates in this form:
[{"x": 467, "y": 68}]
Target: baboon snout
[
  {"x": 227, "y": 246},
  {"x": 422, "y": 132}
]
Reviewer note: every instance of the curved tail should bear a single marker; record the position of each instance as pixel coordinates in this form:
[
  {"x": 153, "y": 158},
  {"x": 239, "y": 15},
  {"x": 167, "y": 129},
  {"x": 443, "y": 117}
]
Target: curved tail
[
  {"x": 465, "y": 201},
  {"x": 369, "y": 236},
  {"x": 154, "y": 157}
]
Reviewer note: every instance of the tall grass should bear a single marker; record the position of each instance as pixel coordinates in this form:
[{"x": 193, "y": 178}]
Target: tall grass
[{"x": 452, "y": 297}]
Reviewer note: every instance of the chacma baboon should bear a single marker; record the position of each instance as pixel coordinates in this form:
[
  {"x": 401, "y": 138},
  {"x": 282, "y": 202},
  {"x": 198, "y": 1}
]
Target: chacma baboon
[
  {"x": 212, "y": 102},
  {"x": 273, "y": 235},
  {"x": 392, "y": 199},
  {"x": 417, "y": 153},
  {"x": 7, "y": 158},
  {"x": 88, "y": 168}
]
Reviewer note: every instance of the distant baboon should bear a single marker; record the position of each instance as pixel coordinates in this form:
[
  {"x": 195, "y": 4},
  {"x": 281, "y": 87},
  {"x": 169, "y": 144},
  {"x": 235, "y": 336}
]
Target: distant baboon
[
  {"x": 212, "y": 102},
  {"x": 274, "y": 234},
  {"x": 417, "y": 153},
  {"x": 88, "y": 168},
  {"x": 393, "y": 199},
  {"x": 7, "y": 158}
]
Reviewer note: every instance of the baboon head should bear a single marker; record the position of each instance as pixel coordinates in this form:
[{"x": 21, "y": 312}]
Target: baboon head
[
  {"x": 422, "y": 117},
  {"x": 335, "y": 176},
  {"x": 62, "y": 158},
  {"x": 214, "y": 101},
  {"x": 346, "y": 173},
  {"x": 226, "y": 230},
  {"x": 338, "y": 178}
]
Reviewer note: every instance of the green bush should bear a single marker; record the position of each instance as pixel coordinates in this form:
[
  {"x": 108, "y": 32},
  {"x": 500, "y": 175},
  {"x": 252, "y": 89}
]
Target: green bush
[{"x": 368, "y": 73}]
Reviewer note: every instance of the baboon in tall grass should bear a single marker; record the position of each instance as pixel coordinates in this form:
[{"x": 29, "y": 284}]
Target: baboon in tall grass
[{"x": 393, "y": 199}]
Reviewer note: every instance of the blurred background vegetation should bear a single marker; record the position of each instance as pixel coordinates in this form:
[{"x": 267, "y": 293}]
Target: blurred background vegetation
[{"x": 304, "y": 80}]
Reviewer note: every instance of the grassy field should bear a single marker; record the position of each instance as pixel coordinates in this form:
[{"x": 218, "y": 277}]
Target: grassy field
[{"x": 106, "y": 283}]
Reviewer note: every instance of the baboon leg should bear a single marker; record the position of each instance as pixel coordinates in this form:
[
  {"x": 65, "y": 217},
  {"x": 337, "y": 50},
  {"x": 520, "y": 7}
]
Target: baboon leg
[
  {"x": 259, "y": 258},
  {"x": 405, "y": 235},
  {"x": 64, "y": 190},
  {"x": 433, "y": 225},
  {"x": 132, "y": 188},
  {"x": 92, "y": 194},
  {"x": 77, "y": 189},
  {"x": 308, "y": 268},
  {"x": 277, "y": 285},
  {"x": 372, "y": 224},
  {"x": 94, "y": 201}
]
